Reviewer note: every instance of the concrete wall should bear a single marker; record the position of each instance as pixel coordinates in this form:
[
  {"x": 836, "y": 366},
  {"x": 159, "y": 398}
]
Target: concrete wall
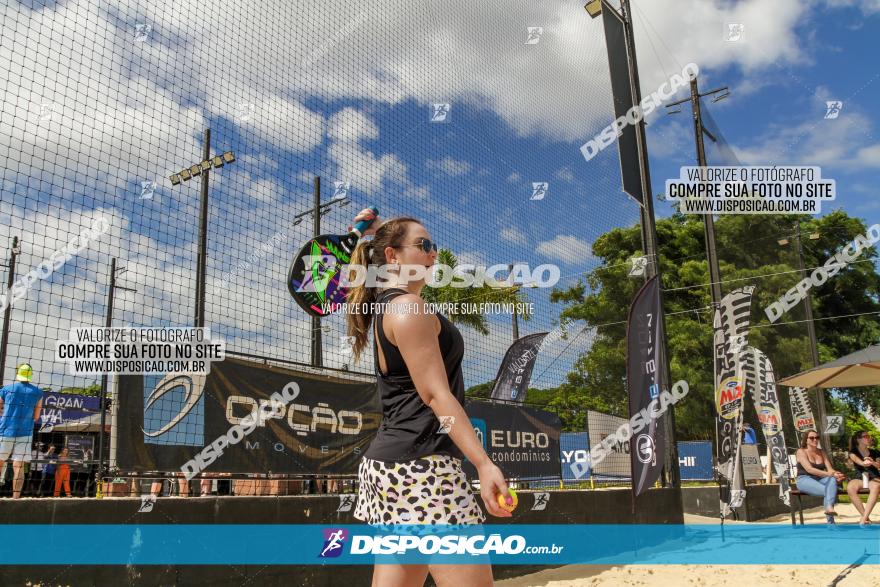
[
  {"x": 657, "y": 506},
  {"x": 762, "y": 501}
]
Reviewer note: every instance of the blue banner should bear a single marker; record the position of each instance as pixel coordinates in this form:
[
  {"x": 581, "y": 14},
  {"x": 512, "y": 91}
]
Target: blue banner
[
  {"x": 574, "y": 447},
  {"x": 695, "y": 461},
  {"x": 513, "y": 544}
]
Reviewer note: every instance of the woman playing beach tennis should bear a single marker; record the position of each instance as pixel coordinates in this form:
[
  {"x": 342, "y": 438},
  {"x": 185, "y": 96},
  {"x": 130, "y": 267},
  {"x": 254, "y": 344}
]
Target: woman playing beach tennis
[{"x": 411, "y": 473}]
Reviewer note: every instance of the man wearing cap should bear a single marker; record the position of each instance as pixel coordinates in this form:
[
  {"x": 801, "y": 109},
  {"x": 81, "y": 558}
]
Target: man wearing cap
[{"x": 20, "y": 405}]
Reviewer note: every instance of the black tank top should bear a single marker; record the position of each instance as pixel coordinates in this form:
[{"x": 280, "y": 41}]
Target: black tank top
[
  {"x": 409, "y": 428},
  {"x": 802, "y": 471},
  {"x": 874, "y": 454}
]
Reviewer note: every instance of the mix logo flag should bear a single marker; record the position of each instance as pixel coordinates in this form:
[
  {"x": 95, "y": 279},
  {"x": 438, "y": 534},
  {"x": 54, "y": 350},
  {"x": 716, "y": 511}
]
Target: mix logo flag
[
  {"x": 730, "y": 325},
  {"x": 515, "y": 372},
  {"x": 801, "y": 412},
  {"x": 644, "y": 377},
  {"x": 761, "y": 380}
]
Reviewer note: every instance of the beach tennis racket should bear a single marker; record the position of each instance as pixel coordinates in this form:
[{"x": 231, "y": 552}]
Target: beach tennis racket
[{"x": 314, "y": 276}]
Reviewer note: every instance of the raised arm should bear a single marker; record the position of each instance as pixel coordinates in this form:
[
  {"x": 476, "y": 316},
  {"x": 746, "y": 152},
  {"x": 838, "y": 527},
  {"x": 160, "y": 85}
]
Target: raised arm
[{"x": 37, "y": 409}]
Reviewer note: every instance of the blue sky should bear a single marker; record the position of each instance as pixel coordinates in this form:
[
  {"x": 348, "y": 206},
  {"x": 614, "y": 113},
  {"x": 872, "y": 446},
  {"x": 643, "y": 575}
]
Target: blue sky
[{"x": 346, "y": 94}]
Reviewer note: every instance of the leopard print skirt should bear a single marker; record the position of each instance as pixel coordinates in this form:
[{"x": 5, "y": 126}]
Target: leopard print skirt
[{"x": 430, "y": 490}]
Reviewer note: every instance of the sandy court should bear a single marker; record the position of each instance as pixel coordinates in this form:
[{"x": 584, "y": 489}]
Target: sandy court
[{"x": 713, "y": 575}]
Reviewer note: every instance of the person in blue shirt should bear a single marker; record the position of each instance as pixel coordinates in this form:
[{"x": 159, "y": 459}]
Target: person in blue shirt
[
  {"x": 20, "y": 405},
  {"x": 749, "y": 436}
]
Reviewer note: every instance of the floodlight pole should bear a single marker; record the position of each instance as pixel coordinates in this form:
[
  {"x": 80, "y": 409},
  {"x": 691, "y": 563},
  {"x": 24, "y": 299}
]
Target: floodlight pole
[
  {"x": 649, "y": 237},
  {"x": 202, "y": 261},
  {"x": 7, "y": 313},
  {"x": 317, "y": 341}
]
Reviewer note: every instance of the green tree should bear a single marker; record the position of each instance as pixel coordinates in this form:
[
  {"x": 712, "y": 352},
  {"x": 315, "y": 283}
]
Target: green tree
[
  {"x": 484, "y": 293},
  {"x": 750, "y": 254}
]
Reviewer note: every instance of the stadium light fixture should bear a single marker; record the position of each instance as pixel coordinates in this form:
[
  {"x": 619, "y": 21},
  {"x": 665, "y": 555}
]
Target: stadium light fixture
[
  {"x": 593, "y": 8},
  {"x": 783, "y": 241},
  {"x": 202, "y": 167},
  {"x": 814, "y": 236}
]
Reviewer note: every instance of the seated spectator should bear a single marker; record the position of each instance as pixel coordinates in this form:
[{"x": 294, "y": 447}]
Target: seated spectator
[
  {"x": 816, "y": 474},
  {"x": 866, "y": 460}
]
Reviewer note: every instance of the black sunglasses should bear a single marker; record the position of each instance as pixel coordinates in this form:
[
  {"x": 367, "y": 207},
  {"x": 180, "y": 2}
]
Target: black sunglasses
[
  {"x": 427, "y": 245},
  {"x": 812, "y": 438}
]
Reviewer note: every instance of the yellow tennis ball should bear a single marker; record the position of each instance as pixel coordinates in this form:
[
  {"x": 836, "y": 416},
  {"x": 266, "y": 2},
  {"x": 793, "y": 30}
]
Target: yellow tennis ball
[{"x": 502, "y": 501}]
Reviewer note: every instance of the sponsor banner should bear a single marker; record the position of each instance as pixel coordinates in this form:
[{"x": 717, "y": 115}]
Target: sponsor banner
[
  {"x": 80, "y": 448},
  {"x": 574, "y": 454},
  {"x": 71, "y": 401},
  {"x": 695, "y": 461},
  {"x": 501, "y": 544},
  {"x": 66, "y": 408},
  {"x": 751, "y": 461},
  {"x": 621, "y": 92},
  {"x": 325, "y": 428},
  {"x": 617, "y": 464},
  {"x": 522, "y": 441},
  {"x": 731, "y": 327},
  {"x": 644, "y": 379},
  {"x": 801, "y": 412},
  {"x": 761, "y": 380},
  {"x": 515, "y": 372}
]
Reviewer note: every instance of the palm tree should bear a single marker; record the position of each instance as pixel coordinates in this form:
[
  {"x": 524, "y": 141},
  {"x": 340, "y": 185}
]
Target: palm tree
[{"x": 484, "y": 294}]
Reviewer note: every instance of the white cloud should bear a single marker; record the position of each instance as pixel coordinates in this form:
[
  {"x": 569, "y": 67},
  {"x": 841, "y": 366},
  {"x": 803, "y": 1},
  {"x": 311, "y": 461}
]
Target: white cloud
[
  {"x": 514, "y": 177},
  {"x": 352, "y": 125},
  {"x": 567, "y": 248},
  {"x": 513, "y": 235},
  {"x": 449, "y": 166},
  {"x": 564, "y": 174}
]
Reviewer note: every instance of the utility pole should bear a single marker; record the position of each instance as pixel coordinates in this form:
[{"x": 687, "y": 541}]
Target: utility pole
[
  {"x": 649, "y": 235},
  {"x": 814, "y": 345},
  {"x": 7, "y": 313},
  {"x": 108, "y": 322},
  {"x": 317, "y": 359},
  {"x": 708, "y": 220}
]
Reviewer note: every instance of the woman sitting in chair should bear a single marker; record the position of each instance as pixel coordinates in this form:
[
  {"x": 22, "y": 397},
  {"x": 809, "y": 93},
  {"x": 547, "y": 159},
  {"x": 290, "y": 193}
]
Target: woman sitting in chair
[
  {"x": 816, "y": 474},
  {"x": 866, "y": 460}
]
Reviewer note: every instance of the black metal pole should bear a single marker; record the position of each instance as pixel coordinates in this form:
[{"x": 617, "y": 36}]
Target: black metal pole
[
  {"x": 202, "y": 265},
  {"x": 513, "y": 316},
  {"x": 711, "y": 258},
  {"x": 108, "y": 322},
  {"x": 811, "y": 334},
  {"x": 7, "y": 313},
  {"x": 649, "y": 236},
  {"x": 317, "y": 359}
]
